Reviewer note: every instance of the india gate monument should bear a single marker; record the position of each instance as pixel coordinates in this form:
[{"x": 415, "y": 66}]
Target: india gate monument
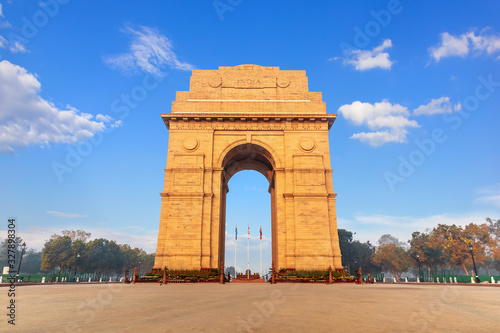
[{"x": 248, "y": 117}]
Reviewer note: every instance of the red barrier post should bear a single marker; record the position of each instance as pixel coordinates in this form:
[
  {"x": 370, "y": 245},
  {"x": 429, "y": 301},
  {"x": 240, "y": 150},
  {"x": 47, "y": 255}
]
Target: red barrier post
[
  {"x": 134, "y": 278},
  {"x": 221, "y": 272}
]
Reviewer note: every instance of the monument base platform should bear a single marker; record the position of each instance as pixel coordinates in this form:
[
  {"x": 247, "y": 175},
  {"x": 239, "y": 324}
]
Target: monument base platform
[
  {"x": 245, "y": 280},
  {"x": 255, "y": 276}
]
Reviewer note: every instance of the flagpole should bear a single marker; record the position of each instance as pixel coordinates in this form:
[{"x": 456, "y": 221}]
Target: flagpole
[
  {"x": 260, "y": 242},
  {"x": 261, "y": 257},
  {"x": 235, "y": 240},
  {"x": 248, "y": 251}
]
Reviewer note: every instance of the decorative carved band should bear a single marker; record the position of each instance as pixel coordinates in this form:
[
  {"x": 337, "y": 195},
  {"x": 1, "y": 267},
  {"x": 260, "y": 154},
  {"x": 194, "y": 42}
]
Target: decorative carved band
[
  {"x": 195, "y": 195},
  {"x": 248, "y": 121},
  {"x": 255, "y": 126},
  {"x": 308, "y": 195},
  {"x": 252, "y": 100}
]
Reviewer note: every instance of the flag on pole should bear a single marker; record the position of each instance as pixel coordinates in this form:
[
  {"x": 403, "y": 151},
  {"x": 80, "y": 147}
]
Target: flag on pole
[
  {"x": 260, "y": 232},
  {"x": 236, "y": 232},
  {"x": 248, "y": 232}
]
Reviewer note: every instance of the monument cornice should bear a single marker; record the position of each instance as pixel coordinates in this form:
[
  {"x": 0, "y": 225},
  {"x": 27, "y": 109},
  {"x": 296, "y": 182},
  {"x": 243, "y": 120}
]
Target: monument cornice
[
  {"x": 289, "y": 195},
  {"x": 194, "y": 195},
  {"x": 244, "y": 118}
]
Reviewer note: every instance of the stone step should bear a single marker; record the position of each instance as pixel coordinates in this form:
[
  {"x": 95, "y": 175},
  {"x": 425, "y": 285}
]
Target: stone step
[{"x": 248, "y": 281}]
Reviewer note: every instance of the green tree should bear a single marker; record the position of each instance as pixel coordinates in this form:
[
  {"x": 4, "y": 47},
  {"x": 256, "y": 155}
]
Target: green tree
[
  {"x": 130, "y": 256},
  {"x": 147, "y": 262},
  {"x": 75, "y": 235},
  {"x": 135, "y": 257},
  {"x": 346, "y": 248},
  {"x": 392, "y": 257},
  {"x": 65, "y": 251},
  {"x": 72, "y": 251},
  {"x": 57, "y": 253},
  {"x": 356, "y": 254},
  {"x": 32, "y": 262},
  {"x": 494, "y": 227},
  {"x": 482, "y": 241},
  {"x": 363, "y": 256},
  {"x": 454, "y": 242},
  {"x": 450, "y": 238},
  {"x": 390, "y": 239},
  {"x": 76, "y": 260},
  {"x": 4, "y": 251},
  {"x": 103, "y": 256},
  {"x": 428, "y": 255}
]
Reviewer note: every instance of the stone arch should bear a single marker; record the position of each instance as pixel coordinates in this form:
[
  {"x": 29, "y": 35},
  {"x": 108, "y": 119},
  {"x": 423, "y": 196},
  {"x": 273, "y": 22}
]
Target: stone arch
[
  {"x": 243, "y": 142},
  {"x": 247, "y": 156},
  {"x": 248, "y": 117}
]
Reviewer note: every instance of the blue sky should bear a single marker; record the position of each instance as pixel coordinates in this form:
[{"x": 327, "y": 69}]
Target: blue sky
[{"x": 415, "y": 84}]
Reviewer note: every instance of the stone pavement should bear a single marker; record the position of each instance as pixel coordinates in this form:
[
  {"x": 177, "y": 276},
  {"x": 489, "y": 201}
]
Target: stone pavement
[{"x": 254, "y": 308}]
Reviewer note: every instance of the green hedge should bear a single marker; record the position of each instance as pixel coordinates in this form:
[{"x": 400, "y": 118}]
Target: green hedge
[
  {"x": 312, "y": 275},
  {"x": 211, "y": 274}
]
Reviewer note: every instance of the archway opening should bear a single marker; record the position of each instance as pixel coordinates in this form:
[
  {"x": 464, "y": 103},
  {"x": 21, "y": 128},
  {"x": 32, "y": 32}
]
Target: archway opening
[
  {"x": 253, "y": 158},
  {"x": 248, "y": 206}
]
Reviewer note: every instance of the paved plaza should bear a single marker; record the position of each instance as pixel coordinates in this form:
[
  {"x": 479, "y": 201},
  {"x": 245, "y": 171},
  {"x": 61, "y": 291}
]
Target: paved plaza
[{"x": 255, "y": 308}]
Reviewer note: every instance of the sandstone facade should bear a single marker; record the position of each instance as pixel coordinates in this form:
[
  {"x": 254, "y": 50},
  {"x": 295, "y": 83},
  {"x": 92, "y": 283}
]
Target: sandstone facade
[{"x": 240, "y": 118}]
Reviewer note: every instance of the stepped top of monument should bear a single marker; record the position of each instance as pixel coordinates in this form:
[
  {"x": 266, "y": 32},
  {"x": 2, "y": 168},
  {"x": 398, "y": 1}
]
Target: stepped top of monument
[{"x": 249, "y": 89}]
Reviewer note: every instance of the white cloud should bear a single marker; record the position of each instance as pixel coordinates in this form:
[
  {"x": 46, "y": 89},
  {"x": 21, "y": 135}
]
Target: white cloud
[
  {"x": 115, "y": 124},
  {"x": 3, "y": 23},
  {"x": 376, "y": 139},
  {"x": 489, "y": 195},
  {"x": 364, "y": 60},
  {"x": 66, "y": 215},
  {"x": 435, "y": 106},
  {"x": 103, "y": 118},
  {"x": 149, "y": 52},
  {"x": 254, "y": 189},
  {"x": 28, "y": 119},
  {"x": 371, "y": 227},
  {"x": 387, "y": 121},
  {"x": 463, "y": 45},
  {"x": 481, "y": 43},
  {"x": 450, "y": 46},
  {"x": 13, "y": 47},
  {"x": 17, "y": 47}
]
